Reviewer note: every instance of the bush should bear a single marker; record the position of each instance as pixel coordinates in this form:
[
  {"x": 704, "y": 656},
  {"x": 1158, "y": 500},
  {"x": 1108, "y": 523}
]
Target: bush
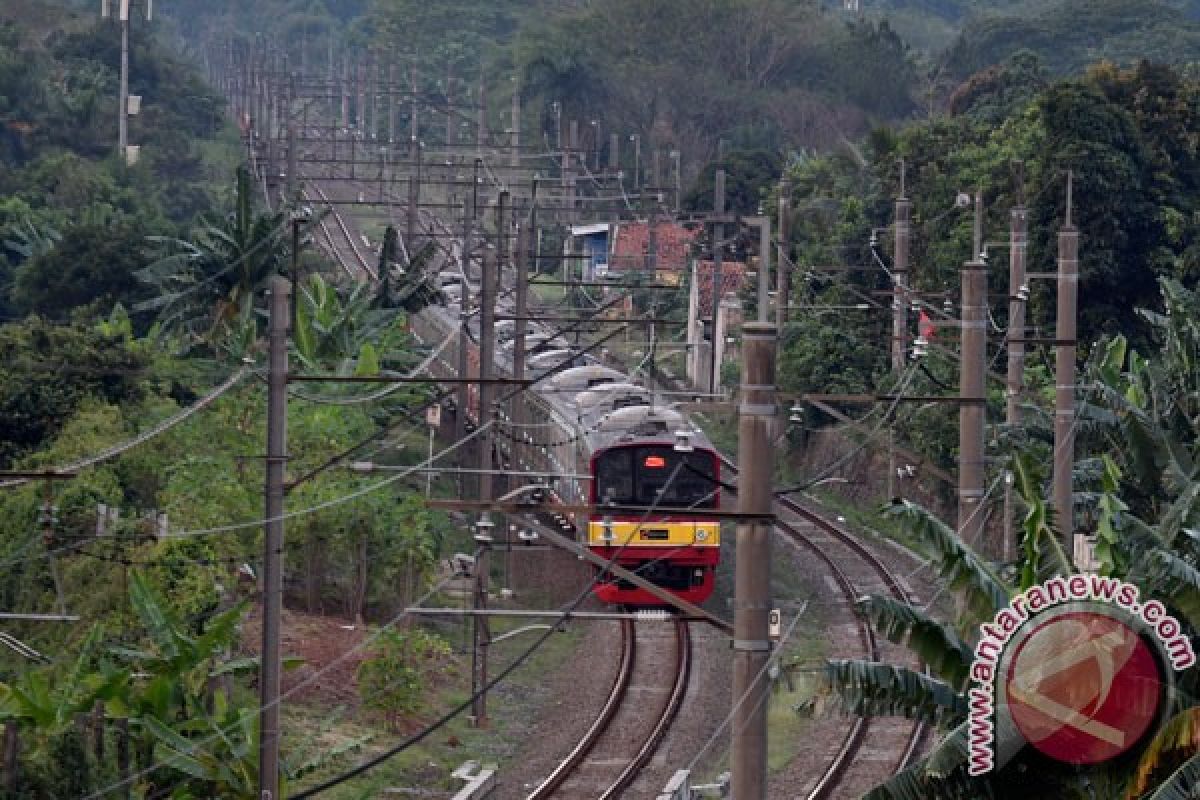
[{"x": 393, "y": 679}]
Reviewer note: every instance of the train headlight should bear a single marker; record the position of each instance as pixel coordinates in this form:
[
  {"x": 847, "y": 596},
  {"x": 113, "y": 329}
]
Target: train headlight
[{"x": 701, "y": 535}]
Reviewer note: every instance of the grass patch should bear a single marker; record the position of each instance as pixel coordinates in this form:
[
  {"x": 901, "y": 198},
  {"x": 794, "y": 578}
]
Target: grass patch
[
  {"x": 869, "y": 520},
  {"x": 785, "y": 725},
  {"x": 429, "y": 764}
]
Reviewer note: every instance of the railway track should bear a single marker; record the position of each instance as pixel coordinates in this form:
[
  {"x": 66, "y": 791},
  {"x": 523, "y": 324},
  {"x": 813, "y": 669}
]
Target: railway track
[
  {"x": 852, "y": 567},
  {"x": 634, "y": 719},
  {"x": 623, "y": 737},
  {"x": 335, "y": 248}
]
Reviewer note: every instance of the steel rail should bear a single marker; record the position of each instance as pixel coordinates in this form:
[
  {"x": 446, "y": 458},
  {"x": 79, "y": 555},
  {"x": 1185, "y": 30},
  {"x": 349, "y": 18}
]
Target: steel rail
[
  {"x": 616, "y": 697},
  {"x": 345, "y": 232},
  {"x": 895, "y": 588},
  {"x": 683, "y": 669},
  {"x": 857, "y": 735}
]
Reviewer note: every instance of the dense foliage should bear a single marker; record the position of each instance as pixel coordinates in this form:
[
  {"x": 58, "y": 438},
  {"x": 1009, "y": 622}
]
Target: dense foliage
[
  {"x": 759, "y": 72},
  {"x": 157, "y": 544},
  {"x": 1141, "y": 450},
  {"x": 1070, "y": 34},
  {"x": 1127, "y": 137},
  {"x": 756, "y": 87},
  {"x": 73, "y": 218}
]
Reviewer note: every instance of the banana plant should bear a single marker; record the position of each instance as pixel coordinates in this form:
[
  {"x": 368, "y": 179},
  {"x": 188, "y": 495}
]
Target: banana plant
[
  {"x": 48, "y": 700},
  {"x": 216, "y": 755},
  {"x": 178, "y": 665},
  {"x": 343, "y": 333},
  {"x": 204, "y": 283},
  {"x": 1162, "y": 565}
]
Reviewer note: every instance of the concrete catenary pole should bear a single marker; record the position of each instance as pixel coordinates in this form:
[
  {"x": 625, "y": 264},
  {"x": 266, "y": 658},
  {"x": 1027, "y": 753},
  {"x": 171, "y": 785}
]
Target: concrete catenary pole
[
  {"x": 270, "y": 667},
  {"x": 376, "y": 80},
  {"x": 900, "y": 279},
  {"x": 524, "y": 264},
  {"x": 390, "y": 96},
  {"x": 1018, "y": 296},
  {"x": 344, "y": 91},
  {"x": 573, "y": 165},
  {"x": 714, "y": 368},
  {"x": 487, "y": 358},
  {"x": 1064, "y": 375},
  {"x": 451, "y": 135},
  {"x": 783, "y": 261},
  {"x": 515, "y": 156},
  {"x": 464, "y": 340},
  {"x": 414, "y": 120},
  {"x": 269, "y": 114},
  {"x": 414, "y": 203},
  {"x": 123, "y": 94},
  {"x": 360, "y": 107},
  {"x": 764, "y": 268},
  {"x": 292, "y": 166},
  {"x": 481, "y": 118},
  {"x": 752, "y": 586},
  {"x": 971, "y": 410}
]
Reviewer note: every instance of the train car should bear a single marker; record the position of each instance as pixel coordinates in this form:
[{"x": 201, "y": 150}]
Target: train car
[
  {"x": 596, "y": 421},
  {"x": 646, "y": 456}
]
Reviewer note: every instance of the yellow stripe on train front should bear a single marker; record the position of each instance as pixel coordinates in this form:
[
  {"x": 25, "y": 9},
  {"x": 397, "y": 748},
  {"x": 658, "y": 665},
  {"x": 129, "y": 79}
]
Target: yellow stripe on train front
[{"x": 654, "y": 534}]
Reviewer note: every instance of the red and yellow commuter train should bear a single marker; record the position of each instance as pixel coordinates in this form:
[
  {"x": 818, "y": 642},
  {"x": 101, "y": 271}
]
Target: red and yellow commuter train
[{"x": 612, "y": 442}]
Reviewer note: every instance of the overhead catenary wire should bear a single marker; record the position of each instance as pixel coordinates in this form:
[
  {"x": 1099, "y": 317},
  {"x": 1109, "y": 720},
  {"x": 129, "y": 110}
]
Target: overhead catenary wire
[
  {"x": 378, "y": 395},
  {"x": 332, "y": 503},
  {"x": 775, "y": 656},
  {"x": 836, "y": 465},
  {"x": 433, "y": 727},
  {"x": 267, "y": 239},
  {"x": 160, "y": 428},
  {"x": 315, "y": 676}
]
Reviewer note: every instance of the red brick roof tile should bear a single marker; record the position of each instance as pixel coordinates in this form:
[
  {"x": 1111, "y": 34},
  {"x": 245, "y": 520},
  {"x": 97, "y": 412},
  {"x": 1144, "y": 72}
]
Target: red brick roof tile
[
  {"x": 733, "y": 276},
  {"x": 633, "y": 242}
]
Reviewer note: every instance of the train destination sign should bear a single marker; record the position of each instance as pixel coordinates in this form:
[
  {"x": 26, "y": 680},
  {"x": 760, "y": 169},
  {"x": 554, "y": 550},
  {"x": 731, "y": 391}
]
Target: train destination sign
[{"x": 1077, "y": 668}]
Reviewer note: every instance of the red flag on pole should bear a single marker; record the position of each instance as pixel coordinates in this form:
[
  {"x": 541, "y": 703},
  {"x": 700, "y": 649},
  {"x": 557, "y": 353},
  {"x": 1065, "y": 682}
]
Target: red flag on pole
[{"x": 925, "y": 326}]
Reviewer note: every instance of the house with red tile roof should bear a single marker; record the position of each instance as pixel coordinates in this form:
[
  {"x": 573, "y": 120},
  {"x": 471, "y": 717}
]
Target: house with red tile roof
[
  {"x": 631, "y": 249},
  {"x": 624, "y": 247}
]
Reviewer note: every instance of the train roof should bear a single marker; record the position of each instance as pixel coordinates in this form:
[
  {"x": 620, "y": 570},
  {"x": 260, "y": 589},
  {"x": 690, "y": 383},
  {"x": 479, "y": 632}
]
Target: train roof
[
  {"x": 548, "y": 359},
  {"x": 579, "y": 379},
  {"x": 608, "y": 397},
  {"x": 636, "y": 424}
]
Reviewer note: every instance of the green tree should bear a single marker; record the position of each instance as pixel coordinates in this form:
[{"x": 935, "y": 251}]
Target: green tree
[
  {"x": 1144, "y": 506},
  {"x": 47, "y": 371},
  {"x": 1115, "y": 209},
  {"x": 206, "y": 288},
  {"x": 393, "y": 679},
  {"x": 90, "y": 265}
]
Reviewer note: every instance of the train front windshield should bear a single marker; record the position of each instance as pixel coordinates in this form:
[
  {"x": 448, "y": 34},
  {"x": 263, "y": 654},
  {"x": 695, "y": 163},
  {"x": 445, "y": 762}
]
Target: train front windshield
[{"x": 656, "y": 474}]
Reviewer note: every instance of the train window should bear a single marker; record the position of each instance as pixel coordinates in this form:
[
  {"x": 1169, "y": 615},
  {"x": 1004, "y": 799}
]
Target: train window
[
  {"x": 630, "y": 401},
  {"x": 656, "y": 475},
  {"x": 614, "y": 477}
]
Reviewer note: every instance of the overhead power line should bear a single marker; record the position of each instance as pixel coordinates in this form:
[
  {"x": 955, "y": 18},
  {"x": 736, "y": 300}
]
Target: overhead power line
[{"x": 160, "y": 428}]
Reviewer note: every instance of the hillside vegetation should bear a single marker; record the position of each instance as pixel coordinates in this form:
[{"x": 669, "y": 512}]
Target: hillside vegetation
[{"x": 128, "y": 292}]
